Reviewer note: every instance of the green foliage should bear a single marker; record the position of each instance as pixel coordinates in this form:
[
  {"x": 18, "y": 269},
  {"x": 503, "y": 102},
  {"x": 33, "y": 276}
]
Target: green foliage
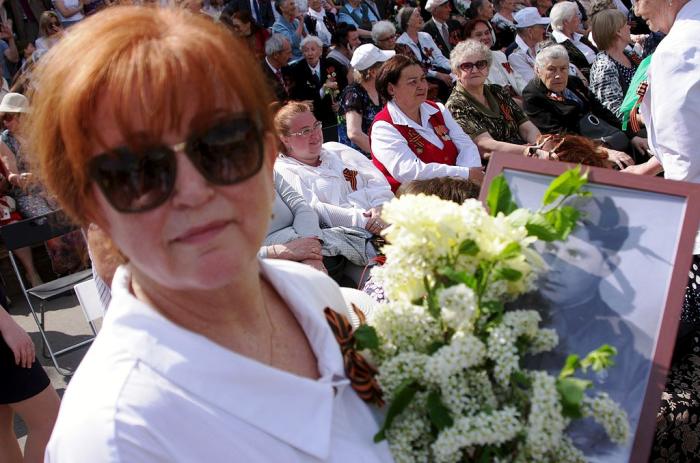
[
  {"x": 402, "y": 398},
  {"x": 438, "y": 413},
  {"x": 508, "y": 274},
  {"x": 600, "y": 359},
  {"x": 500, "y": 198},
  {"x": 458, "y": 277},
  {"x": 571, "y": 392},
  {"x": 468, "y": 248},
  {"x": 567, "y": 184},
  {"x": 366, "y": 338},
  {"x": 510, "y": 251},
  {"x": 571, "y": 364}
]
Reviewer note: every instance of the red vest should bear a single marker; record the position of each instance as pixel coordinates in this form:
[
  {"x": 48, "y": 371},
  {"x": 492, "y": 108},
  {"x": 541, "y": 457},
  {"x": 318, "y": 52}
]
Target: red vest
[{"x": 422, "y": 148}]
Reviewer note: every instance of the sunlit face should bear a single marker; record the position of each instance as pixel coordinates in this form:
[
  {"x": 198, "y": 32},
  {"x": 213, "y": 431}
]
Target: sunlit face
[
  {"x": 411, "y": 89},
  {"x": 11, "y": 122},
  {"x": 571, "y": 25},
  {"x": 305, "y": 147},
  {"x": 486, "y": 10},
  {"x": 240, "y": 28},
  {"x": 536, "y": 33},
  {"x": 442, "y": 12},
  {"x": 482, "y": 33},
  {"x": 555, "y": 74},
  {"x": 652, "y": 13},
  {"x": 312, "y": 53},
  {"x": 386, "y": 42},
  {"x": 204, "y": 236},
  {"x": 625, "y": 33},
  {"x": 289, "y": 8},
  {"x": 416, "y": 20},
  {"x": 474, "y": 77}
]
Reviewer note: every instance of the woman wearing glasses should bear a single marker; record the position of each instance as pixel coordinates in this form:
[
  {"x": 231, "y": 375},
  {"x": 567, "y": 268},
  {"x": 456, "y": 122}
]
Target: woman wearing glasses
[
  {"x": 486, "y": 112},
  {"x": 412, "y": 138},
  {"x": 206, "y": 352}
]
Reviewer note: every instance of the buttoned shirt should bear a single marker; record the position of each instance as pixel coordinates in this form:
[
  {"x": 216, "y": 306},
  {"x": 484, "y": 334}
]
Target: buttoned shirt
[
  {"x": 149, "y": 390},
  {"x": 522, "y": 60},
  {"x": 583, "y": 48},
  {"x": 329, "y": 193},
  {"x": 671, "y": 106},
  {"x": 392, "y": 150}
]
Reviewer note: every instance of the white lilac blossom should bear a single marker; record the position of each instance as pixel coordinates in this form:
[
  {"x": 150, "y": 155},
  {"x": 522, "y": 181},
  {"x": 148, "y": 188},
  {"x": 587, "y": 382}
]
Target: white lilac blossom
[
  {"x": 608, "y": 414},
  {"x": 545, "y": 423},
  {"x": 465, "y": 351},
  {"x": 399, "y": 369},
  {"x": 409, "y": 436},
  {"x": 458, "y": 304},
  {"x": 403, "y": 327}
]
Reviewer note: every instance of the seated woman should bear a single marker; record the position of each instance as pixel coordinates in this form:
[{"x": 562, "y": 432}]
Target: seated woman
[
  {"x": 500, "y": 71},
  {"x": 291, "y": 25},
  {"x": 486, "y": 112},
  {"x": 50, "y": 31},
  {"x": 200, "y": 330},
  {"x": 425, "y": 50},
  {"x": 242, "y": 25},
  {"x": 558, "y": 103},
  {"x": 614, "y": 66},
  {"x": 359, "y": 102},
  {"x": 412, "y": 138},
  {"x": 339, "y": 183}
]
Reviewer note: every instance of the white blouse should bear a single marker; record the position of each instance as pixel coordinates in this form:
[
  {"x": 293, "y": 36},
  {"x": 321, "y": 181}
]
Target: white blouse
[
  {"x": 328, "y": 192},
  {"x": 392, "y": 150},
  {"x": 149, "y": 390},
  {"x": 429, "y": 47}
]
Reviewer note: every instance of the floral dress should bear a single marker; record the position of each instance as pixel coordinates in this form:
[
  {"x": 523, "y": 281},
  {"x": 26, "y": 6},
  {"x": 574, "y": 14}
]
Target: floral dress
[{"x": 355, "y": 98}]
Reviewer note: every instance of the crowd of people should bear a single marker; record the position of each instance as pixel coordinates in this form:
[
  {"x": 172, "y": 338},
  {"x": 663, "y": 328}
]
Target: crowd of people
[{"x": 237, "y": 151}]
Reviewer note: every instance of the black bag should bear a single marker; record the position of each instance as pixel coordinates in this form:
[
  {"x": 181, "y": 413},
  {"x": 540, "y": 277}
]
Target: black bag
[{"x": 592, "y": 127}]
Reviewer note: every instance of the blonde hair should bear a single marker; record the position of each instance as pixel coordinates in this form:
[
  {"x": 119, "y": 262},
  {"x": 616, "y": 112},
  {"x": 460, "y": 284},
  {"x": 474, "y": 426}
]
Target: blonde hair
[
  {"x": 156, "y": 63},
  {"x": 284, "y": 117},
  {"x": 605, "y": 25}
]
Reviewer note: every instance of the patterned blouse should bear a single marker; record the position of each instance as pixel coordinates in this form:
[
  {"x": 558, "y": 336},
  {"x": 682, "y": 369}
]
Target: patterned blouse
[
  {"x": 610, "y": 80},
  {"x": 355, "y": 98},
  {"x": 502, "y": 119}
]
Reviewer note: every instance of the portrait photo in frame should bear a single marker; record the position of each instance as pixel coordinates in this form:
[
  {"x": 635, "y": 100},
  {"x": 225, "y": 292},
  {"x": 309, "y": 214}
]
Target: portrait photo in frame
[{"x": 619, "y": 279}]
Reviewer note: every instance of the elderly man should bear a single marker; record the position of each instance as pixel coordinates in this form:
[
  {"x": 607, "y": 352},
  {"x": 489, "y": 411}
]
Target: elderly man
[
  {"x": 312, "y": 79},
  {"x": 566, "y": 24},
  {"x": 360, "y": 14},
  {"x": 531, "y": 28},
  {"x": 278, "y": 51},
  {"x": 441, "y": 27}
]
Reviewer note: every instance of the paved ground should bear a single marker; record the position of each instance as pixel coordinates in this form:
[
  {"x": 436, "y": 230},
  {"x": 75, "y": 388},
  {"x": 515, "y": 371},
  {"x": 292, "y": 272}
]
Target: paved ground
[{"x": 65, "y": 325}]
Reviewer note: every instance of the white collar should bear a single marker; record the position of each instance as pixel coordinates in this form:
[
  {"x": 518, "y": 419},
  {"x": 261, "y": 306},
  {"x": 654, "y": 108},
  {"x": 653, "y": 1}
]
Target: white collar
[
  {"x": 316, "y": 14},
  {"x": 176, "y": 354},
  {"x": 560, "y": 37},
  {"x": 316, "y": 69},
  {"x": 438, "y": 23},
  {"x": 399, "y": 118},
  {"x": 274, "y": 69},
  {"x": 523, "y": 46}
]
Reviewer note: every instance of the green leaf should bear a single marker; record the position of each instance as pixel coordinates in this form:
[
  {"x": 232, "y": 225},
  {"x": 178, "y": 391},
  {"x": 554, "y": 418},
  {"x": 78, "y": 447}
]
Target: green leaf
[
  {"x": 438, "y": 413},
  {"x": 499, "y": 198},
  {"x": 433, "y": 305},
  {"x": 570, "y": 366},
  {"x": 539, "y": 227},
  {"x": 520, "y": 378},
  {"x": 468, "y": 248},
  {"x": 512, "y": 250},
  {"x": 600, "y": 359},
  {"x": 402, "y": 398},
  {"x": 366, "y": 338},
  {"x": 486, "y": 455},
  {"x": 567, "y": 184},
  {"x": 493, "y": 307},
  {"x": 508, "y": 274},
  {"x": 571, "y": 392},
  {"x": 459, "y": 277},
  {"x": 563, "y": 220}
]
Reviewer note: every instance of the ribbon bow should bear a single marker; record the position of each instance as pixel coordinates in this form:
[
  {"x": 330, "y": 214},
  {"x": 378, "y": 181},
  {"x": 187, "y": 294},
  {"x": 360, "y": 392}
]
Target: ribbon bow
[
  {"x": 351, "y": 176},
  {"x": 641, "y": 91},
  {"x": 360, "y": 373}
]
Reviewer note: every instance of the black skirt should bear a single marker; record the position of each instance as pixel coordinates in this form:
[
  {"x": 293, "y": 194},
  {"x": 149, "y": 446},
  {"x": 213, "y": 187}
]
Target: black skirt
[{"x": 18, "y": 383}]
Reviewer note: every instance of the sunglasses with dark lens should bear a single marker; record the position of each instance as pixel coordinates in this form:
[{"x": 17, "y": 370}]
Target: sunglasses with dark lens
[
  {"x": 480, "y": 65},
  {"x": 137, "y": 180}
]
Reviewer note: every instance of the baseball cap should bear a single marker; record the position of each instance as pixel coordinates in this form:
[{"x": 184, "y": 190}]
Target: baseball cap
[
  {"x": 433, "y": 3},
  {"x": 367, "y": 55},
  {"x": 528, "y": 17}
]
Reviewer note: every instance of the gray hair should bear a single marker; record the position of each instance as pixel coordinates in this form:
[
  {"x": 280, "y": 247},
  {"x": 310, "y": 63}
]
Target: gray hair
[
  {"x": 310, "y": 39},
  {"x": 562, "y": 11},
  {"x": 275, "y": 44},
  {"x": 547, "y": 54},
  {"x": 466, "y": 48},
  {"x": 381, "y": 28}
]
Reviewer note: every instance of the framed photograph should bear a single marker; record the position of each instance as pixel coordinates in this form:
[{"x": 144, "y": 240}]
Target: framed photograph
[{"x": 619, "y": 279}]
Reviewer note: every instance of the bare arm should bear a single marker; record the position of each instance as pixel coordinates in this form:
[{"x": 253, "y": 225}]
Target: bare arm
[
  {"x": 487, "y": 146},
  {"x": 353, "y": 120},
  {"x": 528, "y": 132}
]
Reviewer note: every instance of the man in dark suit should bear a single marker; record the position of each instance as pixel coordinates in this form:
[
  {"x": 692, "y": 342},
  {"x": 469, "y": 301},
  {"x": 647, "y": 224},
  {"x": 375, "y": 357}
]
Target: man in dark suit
[
  {"x": 441, "y": 27},
  {"x": 260, "y": 10},
  {"x": 278, "y": 50},
  {"x": 311, "y": 79}
]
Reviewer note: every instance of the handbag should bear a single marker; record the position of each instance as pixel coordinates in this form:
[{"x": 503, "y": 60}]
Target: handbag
[{"x": 596, "y": 129}]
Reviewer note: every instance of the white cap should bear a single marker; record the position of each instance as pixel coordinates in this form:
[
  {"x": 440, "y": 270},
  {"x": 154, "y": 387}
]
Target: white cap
[
  {"x": 528, "y": 17},
  {"x": 14, "y": 103},
  {"x": 367, "y": 55},
  {"x": 433, "y": 3}
]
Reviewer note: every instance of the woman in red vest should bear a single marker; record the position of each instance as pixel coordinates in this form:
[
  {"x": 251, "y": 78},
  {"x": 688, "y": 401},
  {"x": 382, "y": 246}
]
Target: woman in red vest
[{"x": 412, "y": 138}]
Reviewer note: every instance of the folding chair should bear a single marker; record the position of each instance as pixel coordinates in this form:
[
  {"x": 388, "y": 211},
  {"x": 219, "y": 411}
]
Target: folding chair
[
  {"x": 90, "y": 302},
  {"x": 32, "y": 232}
]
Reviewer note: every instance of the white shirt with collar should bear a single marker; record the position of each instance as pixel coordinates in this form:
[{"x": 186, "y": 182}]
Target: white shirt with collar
[
  {"x": 501, "y": 73},
  {"x": 522, "y": 60},
  {"x": 322, "y": 31},
  {"x": 149, "y": 390},
  {"x": 671, "y": 106},
  {"x": 327, "y": 191},
  {"x": 429, "y": 47},
  {"x": 392, "y": 150},
  {"x": 583, "y": 48}
]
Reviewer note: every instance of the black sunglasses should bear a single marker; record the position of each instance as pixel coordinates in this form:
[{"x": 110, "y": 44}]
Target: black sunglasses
[
  {"x": 480, "y": 65},
  {"x": 137, "y": 180}
]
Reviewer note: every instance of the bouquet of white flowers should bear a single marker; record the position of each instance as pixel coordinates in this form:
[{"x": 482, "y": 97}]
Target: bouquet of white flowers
[{"x": 448, "y": 353}]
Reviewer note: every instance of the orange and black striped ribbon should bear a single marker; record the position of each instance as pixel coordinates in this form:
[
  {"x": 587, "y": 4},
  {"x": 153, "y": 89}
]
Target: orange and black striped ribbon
[
  {"x": 351, "y": 176},
  {"x": 641, "y": 91},
  {"x": 360, "y": 373}
]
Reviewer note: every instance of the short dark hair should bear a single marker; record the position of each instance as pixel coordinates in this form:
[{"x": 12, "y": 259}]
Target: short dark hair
[
  {"x": 390, "y": 73},
  {"x": 340, "y": 36},
  {"x": 470, "y": 25},
  {"x": 455, "y": 189}
]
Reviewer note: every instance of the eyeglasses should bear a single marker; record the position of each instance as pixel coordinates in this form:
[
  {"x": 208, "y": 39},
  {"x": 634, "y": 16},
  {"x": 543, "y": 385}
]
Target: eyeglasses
[
  {"x": 229, "y": 152},
  {"x": 308, "y": 130},
  {"x": 480, "y": 65}
]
